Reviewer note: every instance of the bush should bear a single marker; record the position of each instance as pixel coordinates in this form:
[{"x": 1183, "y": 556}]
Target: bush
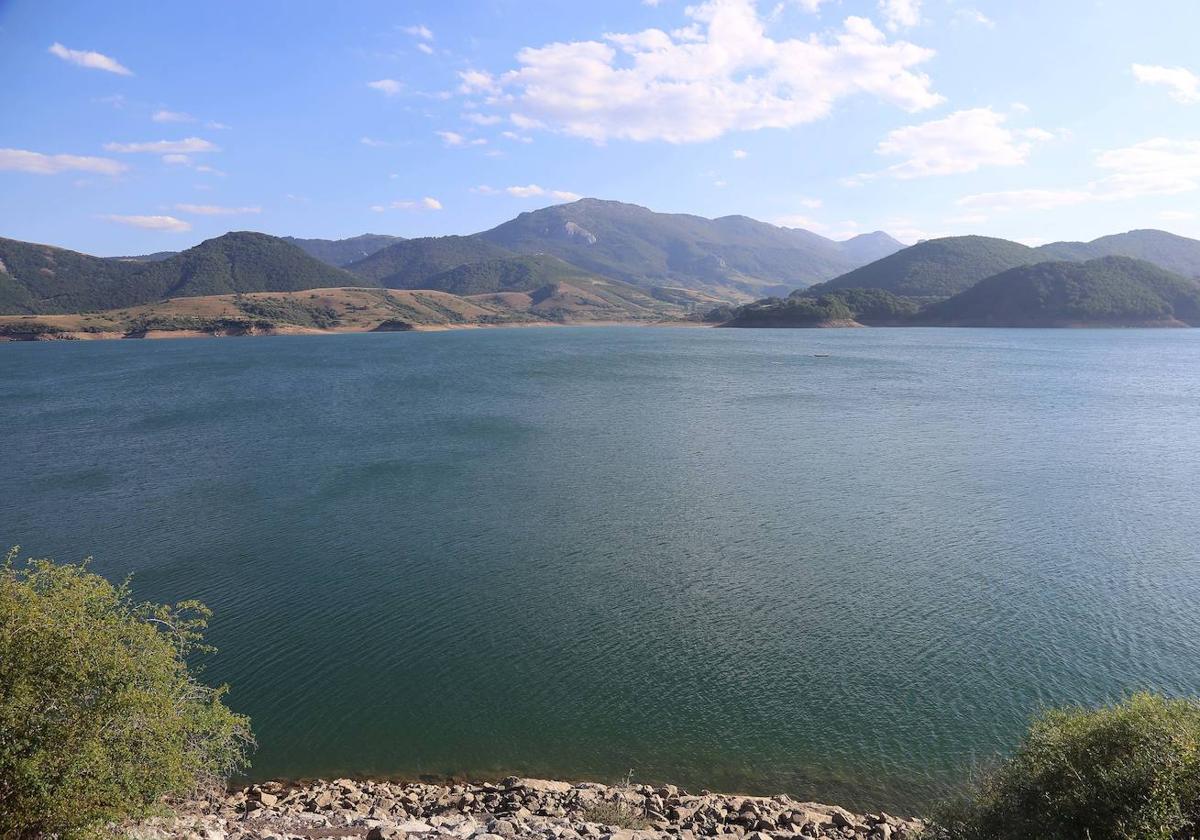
[
  {"x": 1130, "y": 771},
  {"x": 101, "y": 719}
]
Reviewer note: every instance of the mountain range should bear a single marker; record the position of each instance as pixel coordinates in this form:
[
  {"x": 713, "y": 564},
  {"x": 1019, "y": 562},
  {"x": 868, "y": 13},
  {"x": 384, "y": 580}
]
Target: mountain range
[{"x": 598, "y": 259}]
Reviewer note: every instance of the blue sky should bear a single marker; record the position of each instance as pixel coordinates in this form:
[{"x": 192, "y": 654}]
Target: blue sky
[{"x": 139, "y": 126}]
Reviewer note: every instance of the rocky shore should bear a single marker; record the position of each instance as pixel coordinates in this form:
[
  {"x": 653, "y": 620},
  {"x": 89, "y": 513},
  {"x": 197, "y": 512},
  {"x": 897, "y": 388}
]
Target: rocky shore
[{"x": 514, "y": 809}]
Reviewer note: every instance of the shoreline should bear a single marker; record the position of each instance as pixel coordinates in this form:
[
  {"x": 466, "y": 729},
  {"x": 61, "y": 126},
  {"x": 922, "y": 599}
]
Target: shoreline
[
  {"x": 512, "y": 809},
  {"x": 286, "y": 329}
]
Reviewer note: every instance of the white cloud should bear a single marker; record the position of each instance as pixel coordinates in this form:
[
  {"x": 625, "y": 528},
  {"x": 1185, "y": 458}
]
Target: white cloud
[
  {"x": 739, "y": 154},
  {"x": 372, "y": 142},
  {"x": 425, "y": 48},
  {"x": 721, "y": 73},
  {"x": 1177, "y": 216},
  {"x": 1030, "y": 199},
  {"x": 214, "y": 210},
  {"x": 164, "y": 116},
  {"x": 93, "y": 60},
  {"x": 516, "y": 138},
  {"x": 22, "y": 160},
  {"x": 187, "y": 146},
  {"x": 961, "y": 142},
  {"x": 810, "y": 5},
  {"x": 388, "y": 87},
  {"x": 177, "y": 160},
  {"x": 476, "y": 81},
  {"x": 484, "y": 189},
  {"x": 482, "y": 119},
  {"x": 534, "y": 191},
  {"x": 419, "y": 31},
  {"x": 454, "y": 140},
  {"x": 1184, "y": 85},
  {"x": 974, "y": 16},
  {"x": 166, "y": 224},
  {"x": 426, "y": 203},
  {"x": 810, "y": 203},
  {"x": 900, "y": 14},
  {"x": 528, "y": 191},
  {"x": 1159, "y": 166}
]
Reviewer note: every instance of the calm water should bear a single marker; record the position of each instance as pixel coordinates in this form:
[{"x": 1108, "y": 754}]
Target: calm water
[{"x": 705, "y": 555}]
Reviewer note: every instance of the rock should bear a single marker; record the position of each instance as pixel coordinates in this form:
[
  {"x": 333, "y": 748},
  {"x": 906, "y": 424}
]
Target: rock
[{"x": 385, "y": 832}]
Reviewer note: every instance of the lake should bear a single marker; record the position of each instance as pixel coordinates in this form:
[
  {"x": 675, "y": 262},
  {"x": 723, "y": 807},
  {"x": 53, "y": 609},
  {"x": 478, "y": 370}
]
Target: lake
[{"x": 712, "y": 557}]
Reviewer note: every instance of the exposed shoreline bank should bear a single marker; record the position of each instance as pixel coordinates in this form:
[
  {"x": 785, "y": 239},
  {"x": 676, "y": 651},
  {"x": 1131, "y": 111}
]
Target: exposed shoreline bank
[
  {"x": 155, "y": 335},
  {"x": 512, "y": 809}
]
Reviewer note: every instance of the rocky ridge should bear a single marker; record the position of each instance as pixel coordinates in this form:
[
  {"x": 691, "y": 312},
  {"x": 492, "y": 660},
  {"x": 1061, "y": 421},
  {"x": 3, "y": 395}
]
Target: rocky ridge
[{"x": 514, "y": 809}]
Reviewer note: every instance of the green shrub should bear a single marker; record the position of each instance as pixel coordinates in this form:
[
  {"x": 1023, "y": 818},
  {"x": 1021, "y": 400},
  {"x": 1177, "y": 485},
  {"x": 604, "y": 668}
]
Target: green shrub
[
  {"x": 1130, "y": 771},
  {"x": 101, "y": 719}
]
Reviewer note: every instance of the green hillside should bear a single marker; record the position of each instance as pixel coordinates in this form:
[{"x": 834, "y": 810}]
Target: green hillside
[
  {"x": 1166, "y": 250},
  {"x": 870, "y": 307},
  {"x": 733, "y": 256},
  {"x": 937, "y": 268},
  {"x": 1114, "y": 291},
  {"x": 342, "y": 252},
  {"x": 44, "y": 279},
  {"x": 411, "y": 263}
]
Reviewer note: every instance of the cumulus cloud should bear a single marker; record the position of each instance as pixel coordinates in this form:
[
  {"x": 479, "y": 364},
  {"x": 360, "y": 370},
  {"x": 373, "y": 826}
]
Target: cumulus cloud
[
  {"x": 187, "y": 146},
  {"x": 516, "y": 138},
  {"x": 371, "y": 141},
  {"x": 534, "y": 191},
  {"x": 92, "y": 60},
  {"x": 164, "y": 116},
  {"x": 476, "y": 81},
  {"x": 900, "y": 14},
  {"x": 720, "y": 73},
  {"x": 166, "y": 224},
  {"x": 1182, "y": 84},
  {"x": 388, "y": 87},
  {"x": 22, "y": 160},
  {"x": 1159, "y": 166},
  {"x": 739, "y": 154},
  {"x": 215, "y": 210},
  {"x": 961, "y": 142}
]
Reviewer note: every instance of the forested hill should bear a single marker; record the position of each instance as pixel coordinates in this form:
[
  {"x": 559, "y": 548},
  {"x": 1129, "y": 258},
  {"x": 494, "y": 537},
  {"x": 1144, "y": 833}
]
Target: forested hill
[
  {"x": 1110, "y": 291},
  {"x": 43, "y": 279},
  {"x": 936, "y": 268}
]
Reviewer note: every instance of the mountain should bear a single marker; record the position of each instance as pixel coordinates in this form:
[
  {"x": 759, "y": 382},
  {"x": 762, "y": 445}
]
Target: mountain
[
  {"x": 1174, "y": 253},
  {"x": 734, "y": 257},
  {"x": 868, "y": 247},
  {"x": 342, "y": 252},
  {"x": 157, "y": 256},
  {"x": 936, "y": 268},
  {"x": 409, "y": 264},
  {"x": 1109, "y": 291},
  {"x": 42, "y": 279}
]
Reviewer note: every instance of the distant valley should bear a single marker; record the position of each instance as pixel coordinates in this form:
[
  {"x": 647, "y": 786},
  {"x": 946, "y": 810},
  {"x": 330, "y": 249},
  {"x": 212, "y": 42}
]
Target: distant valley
[{"x": 597, "y": 261}]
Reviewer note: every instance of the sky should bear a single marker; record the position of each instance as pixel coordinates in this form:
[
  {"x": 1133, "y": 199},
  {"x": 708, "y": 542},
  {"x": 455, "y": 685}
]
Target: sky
[{"x": 131, "y": 127}]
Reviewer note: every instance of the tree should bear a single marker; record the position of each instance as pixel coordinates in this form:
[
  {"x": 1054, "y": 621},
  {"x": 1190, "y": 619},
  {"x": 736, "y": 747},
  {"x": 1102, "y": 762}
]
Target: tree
[
  {"x": 1129, "y": 771},
  {"x": 101, "y": 718}
]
